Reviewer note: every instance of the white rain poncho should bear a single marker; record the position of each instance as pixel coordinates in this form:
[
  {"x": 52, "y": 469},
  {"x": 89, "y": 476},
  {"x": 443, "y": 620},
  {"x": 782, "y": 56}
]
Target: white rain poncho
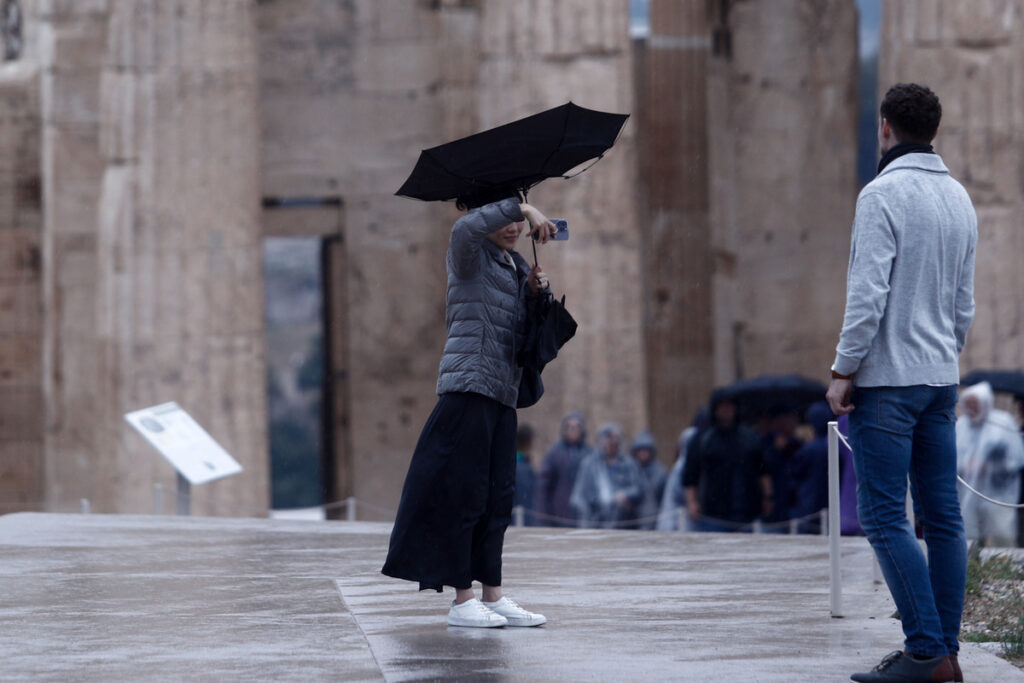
[{"x": 990, "y": 455}]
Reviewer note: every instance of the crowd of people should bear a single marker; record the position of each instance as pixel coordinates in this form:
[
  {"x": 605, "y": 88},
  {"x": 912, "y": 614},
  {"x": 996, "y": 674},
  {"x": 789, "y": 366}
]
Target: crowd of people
[{"x": 729, "y": 473}]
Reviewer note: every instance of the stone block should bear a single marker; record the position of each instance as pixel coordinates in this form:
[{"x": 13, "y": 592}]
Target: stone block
[
  {"x": 928, "y": 26},
  {"x": 21, "y": 413},
  {"x": 70, "y": 10},
  {"x": 119, "y": 102},
  {"x": 395, "y": 68},
  {"x": 20, "y": 258},
  {"x": 20, "y": 360},
  {"x": 984, "y": 23},
  {"x": 21, "y": 308},
  {"x": 21, "y": 475},
  {"x": 74, "y": 46}
]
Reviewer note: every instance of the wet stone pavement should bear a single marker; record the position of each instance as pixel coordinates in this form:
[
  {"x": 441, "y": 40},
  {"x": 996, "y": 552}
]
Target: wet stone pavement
[{"x": 142, "y": 598}]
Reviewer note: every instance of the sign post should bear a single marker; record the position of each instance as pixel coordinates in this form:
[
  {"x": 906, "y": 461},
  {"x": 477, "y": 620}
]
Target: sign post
[{"x": 196, "y": 456}]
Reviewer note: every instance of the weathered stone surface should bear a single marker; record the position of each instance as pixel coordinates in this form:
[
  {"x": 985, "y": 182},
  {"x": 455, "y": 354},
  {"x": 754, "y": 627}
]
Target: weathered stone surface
[
  {"x": 786, "y": 103},
  {"x": 971, "y": 57},
  {"x": 673, "y": 171},
  {"x": 152, "y": 239}
]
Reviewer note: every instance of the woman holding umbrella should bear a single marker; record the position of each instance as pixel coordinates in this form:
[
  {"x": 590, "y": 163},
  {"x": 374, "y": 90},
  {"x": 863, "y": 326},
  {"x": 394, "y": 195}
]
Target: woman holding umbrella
[{"x": 457, "y": 498}]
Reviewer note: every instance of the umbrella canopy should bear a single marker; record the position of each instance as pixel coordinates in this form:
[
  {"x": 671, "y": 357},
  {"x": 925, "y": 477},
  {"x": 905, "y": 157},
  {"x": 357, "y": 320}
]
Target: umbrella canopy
[
  {"x": 1005, "y": 381},
  {"x": 515, "y": 156},
  {"x": 774, "y": 393}
]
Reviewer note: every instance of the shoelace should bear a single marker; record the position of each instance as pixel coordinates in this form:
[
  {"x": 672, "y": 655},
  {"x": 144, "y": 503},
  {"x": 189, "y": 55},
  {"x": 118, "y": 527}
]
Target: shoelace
[
  {"x": 889, "y": 660},
  {"x": 481, "y": 609}
]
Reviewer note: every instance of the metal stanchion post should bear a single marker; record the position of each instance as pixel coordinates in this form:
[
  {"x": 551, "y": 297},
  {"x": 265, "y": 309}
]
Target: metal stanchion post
[
  {"x": 519, "y": 515},
  {"x": 794, "y": 526},
  {"x": 758, "y": 527},
  {"x": 184, "y": 506},
  {"x": 681, "y": 521},
  {"x": 834, "y": 529},
  {"x": 86, "y": 507},
  {"x": 350, "y": 509}
]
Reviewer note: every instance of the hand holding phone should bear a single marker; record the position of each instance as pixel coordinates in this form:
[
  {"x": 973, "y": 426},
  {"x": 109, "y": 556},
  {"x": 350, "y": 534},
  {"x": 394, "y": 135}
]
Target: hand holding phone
[{"x": 561, "y": 229}]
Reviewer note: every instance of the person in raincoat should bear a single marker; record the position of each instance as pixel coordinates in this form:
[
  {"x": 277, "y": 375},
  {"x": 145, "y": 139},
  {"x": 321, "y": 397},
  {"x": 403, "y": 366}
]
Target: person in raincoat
[
  {"x": 990, "y": 455},
  {"x": 809, "y": 469},
  {"x": 525, "y": 476},
  {"x": 457, "y": 498},
  {"x": 558, "y": 473},
  {"x": 608, "y": 487},
  {"x": 727, "y": 487},
  {"x": 674, "y": 498},
  {"x": 652, "y": 479}
]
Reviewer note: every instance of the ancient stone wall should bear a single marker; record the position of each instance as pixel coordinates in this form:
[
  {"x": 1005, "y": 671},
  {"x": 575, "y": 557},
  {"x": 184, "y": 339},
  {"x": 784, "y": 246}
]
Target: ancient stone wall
[
  {"x": 782, "y": 113},
  {"x": 673, "y": 170},
  {"x": 153, "y": 288},
  {"x": 21, "y": 329},
  {"x": 970, "y": 54}
]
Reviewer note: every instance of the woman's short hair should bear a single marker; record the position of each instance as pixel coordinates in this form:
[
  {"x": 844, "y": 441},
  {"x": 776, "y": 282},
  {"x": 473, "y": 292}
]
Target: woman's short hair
[{"x": 913, "y": 112}]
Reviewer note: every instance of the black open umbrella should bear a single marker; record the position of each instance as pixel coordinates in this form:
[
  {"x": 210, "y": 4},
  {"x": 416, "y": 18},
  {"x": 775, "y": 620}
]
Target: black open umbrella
[
  {"x": 515, "y": 156},
  {"x": 767, "y": 394},
  {"x": 1004, "y": 381}
]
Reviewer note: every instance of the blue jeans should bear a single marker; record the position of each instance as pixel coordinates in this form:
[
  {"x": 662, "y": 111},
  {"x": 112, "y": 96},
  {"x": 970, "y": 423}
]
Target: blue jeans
[{"x": 896, "y": 432}]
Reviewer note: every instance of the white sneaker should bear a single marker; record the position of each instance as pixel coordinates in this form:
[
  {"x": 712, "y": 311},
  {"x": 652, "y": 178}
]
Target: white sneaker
[
  {"x": 515, "y": 614},
  {"x": 473, "y": 613}
]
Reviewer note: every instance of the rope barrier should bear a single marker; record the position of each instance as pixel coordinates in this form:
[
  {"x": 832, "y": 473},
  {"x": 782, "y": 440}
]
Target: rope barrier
[{"x": 1002, "y": 503}]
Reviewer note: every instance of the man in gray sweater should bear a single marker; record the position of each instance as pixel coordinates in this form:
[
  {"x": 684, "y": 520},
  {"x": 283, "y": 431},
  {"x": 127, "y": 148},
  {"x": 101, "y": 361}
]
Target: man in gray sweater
[{"x": 909, "y": 305}]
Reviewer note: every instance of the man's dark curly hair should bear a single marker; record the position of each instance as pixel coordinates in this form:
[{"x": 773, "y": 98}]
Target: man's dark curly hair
[{"x": 913, "y": 112}]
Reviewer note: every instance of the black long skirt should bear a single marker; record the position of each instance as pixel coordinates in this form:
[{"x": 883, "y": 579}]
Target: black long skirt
[{"x": 457, "y": 498}]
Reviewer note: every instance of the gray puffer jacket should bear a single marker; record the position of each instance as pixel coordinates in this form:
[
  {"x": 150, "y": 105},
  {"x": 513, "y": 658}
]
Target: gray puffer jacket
[{"x": 486, "y": 307}]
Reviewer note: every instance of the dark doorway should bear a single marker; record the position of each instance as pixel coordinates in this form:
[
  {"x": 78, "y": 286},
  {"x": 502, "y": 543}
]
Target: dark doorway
[{"x": 305, "y": 318}]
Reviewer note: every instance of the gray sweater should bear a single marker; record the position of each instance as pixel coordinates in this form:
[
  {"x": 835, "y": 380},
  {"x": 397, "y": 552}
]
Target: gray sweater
[
  {"x": 910, "y": 285},
  {"x": 485, "y": 307}
]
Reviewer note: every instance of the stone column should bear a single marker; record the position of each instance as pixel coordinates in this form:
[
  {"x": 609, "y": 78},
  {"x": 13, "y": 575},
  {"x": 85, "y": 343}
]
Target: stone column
[
  {"x": 21, "y": 328},
  {"x": 783, "y": 112},
  {"x": 154, "y": 287},
  {"x": 672, "y": 139},
  {"x": 971, "y": 55}
]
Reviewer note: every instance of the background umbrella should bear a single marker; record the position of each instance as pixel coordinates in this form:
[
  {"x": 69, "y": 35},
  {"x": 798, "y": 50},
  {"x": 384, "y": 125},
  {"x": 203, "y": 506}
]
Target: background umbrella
[
  {"x": 515, "y": 156},
  {"x": 1005, "y": 381},
  {"x": 767, "y": 394}
]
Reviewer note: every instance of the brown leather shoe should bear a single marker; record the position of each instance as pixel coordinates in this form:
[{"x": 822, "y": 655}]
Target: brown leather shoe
[
  {"x": 900, "y": 667},
  {"x": 958, "y": 675}
]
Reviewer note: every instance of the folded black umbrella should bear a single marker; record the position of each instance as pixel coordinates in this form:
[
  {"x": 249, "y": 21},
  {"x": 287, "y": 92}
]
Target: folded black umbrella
[
  {"x": 515, "y": 156},
  {"x": 1003, "y": 381},
  {"x": 766, "y": 394},
  {"x": 549, "y": 326}
]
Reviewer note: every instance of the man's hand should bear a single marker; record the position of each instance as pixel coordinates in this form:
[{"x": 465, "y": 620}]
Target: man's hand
[{"x": 838, "y": 396}]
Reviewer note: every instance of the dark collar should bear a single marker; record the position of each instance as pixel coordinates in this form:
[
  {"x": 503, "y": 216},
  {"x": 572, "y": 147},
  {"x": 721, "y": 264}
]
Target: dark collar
[{"x": 903, "y": 149}]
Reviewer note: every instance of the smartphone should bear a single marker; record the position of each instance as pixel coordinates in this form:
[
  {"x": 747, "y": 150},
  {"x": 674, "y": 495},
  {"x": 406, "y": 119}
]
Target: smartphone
[{"x": 561, "y": 229}]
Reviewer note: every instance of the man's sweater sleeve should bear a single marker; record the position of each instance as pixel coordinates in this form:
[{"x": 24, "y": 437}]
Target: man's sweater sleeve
[
  {"x": 965, "y": 299},
  {"x": 473, "y": 228},
  {"x": 872, "y": 251}
]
